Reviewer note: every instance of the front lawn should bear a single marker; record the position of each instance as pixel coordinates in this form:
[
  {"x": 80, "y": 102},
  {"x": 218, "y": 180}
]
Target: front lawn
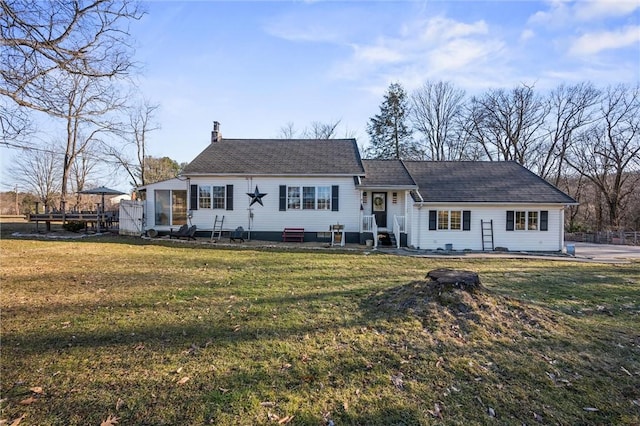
[{"x": 152, "y": 334}]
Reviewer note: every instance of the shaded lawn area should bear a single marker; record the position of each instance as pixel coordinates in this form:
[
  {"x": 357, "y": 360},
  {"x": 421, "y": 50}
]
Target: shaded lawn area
[{"x": 158, "y": 334}]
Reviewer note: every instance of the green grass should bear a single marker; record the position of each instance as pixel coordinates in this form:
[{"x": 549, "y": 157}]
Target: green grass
[{"x": 109, "y": 327}]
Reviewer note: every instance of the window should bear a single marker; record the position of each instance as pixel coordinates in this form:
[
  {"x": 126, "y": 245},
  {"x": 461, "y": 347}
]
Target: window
[
  {"x": 308, "y": 197},
  {"x": 526, "y": 220},
  {"x": 443, "y": 219},
  {"x": 532, "y": 221},
  {"x": 170, "y": 207},
  {"x": 218, "y": 197},
  {"x": 324, "y": 198},
  {"x": 204, "y": 197},
  {"x": 211, "y": 197},
  {"x": 293, "y": 198},
  {"x": 521, "y": 221},
  {"x": 455, "y": 220}
]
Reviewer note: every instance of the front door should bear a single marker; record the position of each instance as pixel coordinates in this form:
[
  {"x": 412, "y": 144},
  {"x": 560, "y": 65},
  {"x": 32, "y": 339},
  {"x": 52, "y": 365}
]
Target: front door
[{"x": 379, "y": 208}]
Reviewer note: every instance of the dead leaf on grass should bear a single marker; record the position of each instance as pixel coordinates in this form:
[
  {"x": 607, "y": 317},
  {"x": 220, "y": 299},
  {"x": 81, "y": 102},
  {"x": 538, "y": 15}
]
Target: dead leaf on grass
[
  {"x": 285, "y": 420},
  {"x": 36, "y": 389},
  {"x": 397, "y": 380},
  {"x": 110, "y": 421},
  {"x": 184, "y": 380},
  {"x": 267, "y": 404},
  {"x": 537, "y": 417},
  {"x": 491, "y": 411},
  {"x": 28, "y": 401},
  {"x": 436, "y": 412},
  {"x": 119, "y": 404},
  {"x": 590, "y": 409},
  {"x": 17, "y": 421},
  {"x": 223, "y": 390}
]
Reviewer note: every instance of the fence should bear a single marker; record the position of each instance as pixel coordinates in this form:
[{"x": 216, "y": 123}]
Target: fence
[{"x": 605, "y": 237}]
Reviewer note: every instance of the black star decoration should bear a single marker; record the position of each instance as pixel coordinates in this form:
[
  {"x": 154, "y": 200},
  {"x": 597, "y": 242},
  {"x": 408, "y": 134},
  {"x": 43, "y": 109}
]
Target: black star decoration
[{"x": 256, "y": 197}]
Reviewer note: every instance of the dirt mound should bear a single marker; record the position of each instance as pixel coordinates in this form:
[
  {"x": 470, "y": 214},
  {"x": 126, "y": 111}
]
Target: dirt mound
[{"x": 455, "y": 308}]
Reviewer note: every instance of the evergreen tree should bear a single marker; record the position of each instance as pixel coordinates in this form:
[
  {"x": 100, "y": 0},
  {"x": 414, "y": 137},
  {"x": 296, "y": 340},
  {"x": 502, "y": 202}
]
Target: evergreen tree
[{"x": 388, "y": 131}]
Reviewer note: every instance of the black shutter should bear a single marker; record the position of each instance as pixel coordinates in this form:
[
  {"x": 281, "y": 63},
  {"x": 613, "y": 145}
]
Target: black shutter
[
  {"x": 229, "y": 197},
  {"x": 433, "y": 215},
  {"x": 544, "y": 220},
  {"x": 283, "y": 198},
  {"x": 194, "y": 198},
  {"x": 466, "y": 220},
  {"x": 510, "y": 220},
  {"x": 334, "y": 198}
]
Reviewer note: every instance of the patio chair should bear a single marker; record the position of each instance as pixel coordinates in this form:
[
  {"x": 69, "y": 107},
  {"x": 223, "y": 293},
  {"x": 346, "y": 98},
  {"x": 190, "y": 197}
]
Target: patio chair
[
  {"x": 237, "y": 234},
  {"x": 181, "y": 232}
]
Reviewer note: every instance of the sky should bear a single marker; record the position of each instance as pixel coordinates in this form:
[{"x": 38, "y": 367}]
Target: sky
[{"x": 256, "y": 66}]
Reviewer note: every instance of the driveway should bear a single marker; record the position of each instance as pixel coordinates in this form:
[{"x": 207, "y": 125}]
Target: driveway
[{"x": 605, "y": 252}]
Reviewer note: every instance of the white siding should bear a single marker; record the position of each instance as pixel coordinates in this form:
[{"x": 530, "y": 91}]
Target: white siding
[
  {"x": 268, "y": 217},
  {"x": 551, "y": 240},
  {"x": 149, "y": 202}
]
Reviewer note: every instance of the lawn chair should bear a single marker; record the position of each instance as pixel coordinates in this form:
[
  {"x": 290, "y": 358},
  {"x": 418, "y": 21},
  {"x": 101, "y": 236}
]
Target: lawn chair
[
  {"x": 237, "y": 234},
  {"x": 181, "y": 232},
  {"x": 184, "y": 232}
]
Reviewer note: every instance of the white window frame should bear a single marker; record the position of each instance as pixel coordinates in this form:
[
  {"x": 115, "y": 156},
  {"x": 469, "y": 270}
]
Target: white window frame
[
  {"x": 440, "y": 225},
  {"x": 296, "y": 197},
  {"x": 531, "y": 220},
  {"x": 209, "y": 200}
]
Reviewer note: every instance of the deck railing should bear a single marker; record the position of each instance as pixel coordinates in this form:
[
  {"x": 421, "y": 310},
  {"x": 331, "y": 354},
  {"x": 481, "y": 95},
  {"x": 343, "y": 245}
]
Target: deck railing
[
  {"x": 398, "y": 227},
  {"x": 369, "y": 224}
]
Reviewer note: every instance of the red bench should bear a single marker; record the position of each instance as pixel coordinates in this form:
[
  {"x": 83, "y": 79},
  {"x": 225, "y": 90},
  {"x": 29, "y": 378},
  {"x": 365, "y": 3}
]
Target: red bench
[{"x": 293, "y": 235}]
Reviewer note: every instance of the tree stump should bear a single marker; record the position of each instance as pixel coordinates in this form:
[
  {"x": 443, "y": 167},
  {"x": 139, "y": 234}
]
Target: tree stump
[{"x": 449, "y": 279}]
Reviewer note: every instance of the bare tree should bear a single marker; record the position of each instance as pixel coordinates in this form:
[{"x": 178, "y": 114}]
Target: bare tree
[
  {"x": 571, "y": 108},
  {"x": 319, "y": 130},
  {"x": 85, "y": 104},
  {"x": 132, "y": 156},
  {"x": 507, "y": 124},
  {"x": 608, "y": 152},
  {"x": 436, "y": 111},
  {"x": 44, "y": 41},
  {"x": 38, "y": 171},
  {"x": 288, "y": 131}
]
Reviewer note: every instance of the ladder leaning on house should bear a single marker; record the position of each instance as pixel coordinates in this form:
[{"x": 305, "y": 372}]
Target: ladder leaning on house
[
  {"x": 487, "y": 234},
  {"x": 216, "y": 233}
]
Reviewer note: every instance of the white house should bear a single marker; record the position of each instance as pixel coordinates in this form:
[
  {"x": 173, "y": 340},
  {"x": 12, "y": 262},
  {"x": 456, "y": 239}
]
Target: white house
[{"x": 267, "y": 185}]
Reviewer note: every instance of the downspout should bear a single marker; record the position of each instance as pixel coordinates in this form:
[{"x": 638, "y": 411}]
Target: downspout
[
  {"x": 561, "y": 228},
  {"x": 419, "y": 218}
]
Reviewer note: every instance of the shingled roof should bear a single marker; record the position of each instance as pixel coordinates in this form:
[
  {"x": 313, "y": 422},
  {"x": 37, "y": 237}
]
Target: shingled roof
[
  {"x": 386, "y": 174},
  {"x": 482, "y": 182},
  {"x": 278, "y": 157}
]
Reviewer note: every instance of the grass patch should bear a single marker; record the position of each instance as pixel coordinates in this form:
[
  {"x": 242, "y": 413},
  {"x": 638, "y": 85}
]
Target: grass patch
[{"x": 156, "y": 334}]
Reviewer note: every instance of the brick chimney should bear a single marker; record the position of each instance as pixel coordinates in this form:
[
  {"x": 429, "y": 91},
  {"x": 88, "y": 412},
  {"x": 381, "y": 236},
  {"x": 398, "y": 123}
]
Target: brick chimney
[{"x": 215, "y": 134}]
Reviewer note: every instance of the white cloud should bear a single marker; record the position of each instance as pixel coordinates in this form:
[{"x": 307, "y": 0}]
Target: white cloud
[
  {"x": 592, "y": 43},
  {"x": 436, "y": 48},
  {"x": 599, "y": 9},
  {"x": 527, "y": 34},
  {"x": 377, "y": 54}
]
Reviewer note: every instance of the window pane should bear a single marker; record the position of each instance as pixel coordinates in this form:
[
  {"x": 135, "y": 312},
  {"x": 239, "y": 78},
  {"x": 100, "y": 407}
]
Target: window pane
[
  {"x": 443, "y": 219},
  {"x": 293, "y": 198},
  {"x": 218, "y": 197},
  {"x": 521, "y": 221},
  {"x": 179, "y": 208},
  {"x": 204, "y": 197},
  {"x": 456, "y": 219},
  {"x": 533, "y": 221},
  {"x": 309, "y": 197},
  {"x": 162, "y": 207},
  {"x": 324, "y": 198}
]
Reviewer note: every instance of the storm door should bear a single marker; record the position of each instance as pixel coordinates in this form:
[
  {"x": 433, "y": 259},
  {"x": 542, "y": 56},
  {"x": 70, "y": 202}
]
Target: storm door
[{"x": 379, "y": 208}]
